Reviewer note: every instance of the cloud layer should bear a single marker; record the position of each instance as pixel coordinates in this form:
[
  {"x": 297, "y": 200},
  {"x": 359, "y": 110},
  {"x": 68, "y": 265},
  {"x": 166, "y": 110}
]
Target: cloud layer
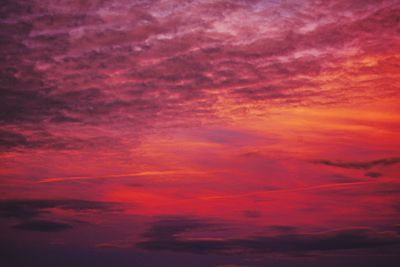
[
  {"x": 29, "y": 212},
  {"x": 130, "y": 66},
  {"x": 275, "y": 123},
  {"x": 169, "y": 235}
]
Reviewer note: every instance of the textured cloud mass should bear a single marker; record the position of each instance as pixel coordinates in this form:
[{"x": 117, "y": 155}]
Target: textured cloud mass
[
  {"x": 130, "y": 65},
  {"x": 229, "y": 132}
]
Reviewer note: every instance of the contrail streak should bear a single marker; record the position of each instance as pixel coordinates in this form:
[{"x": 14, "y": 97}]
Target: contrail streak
[
  {"x": 296, "y": 189},
  {"x": 134, "y": 174}
]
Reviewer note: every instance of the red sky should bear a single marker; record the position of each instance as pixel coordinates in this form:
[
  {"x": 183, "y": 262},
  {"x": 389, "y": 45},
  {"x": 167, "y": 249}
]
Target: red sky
[{"x": 216, "y": 133}]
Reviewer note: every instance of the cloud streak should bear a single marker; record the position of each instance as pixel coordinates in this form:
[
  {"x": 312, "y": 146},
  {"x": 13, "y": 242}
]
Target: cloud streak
[
  {"x": 137, "y": 174},
  {"x": 359, "y": 164},
  {"x": 31, "y": 208}
]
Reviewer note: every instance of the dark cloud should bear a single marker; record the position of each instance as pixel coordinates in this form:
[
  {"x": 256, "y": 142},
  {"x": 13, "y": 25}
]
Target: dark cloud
[
  {"x": 43, "y": 226},
  {"x": 373, "y": 174},
  {"x": 171, "y": 226},
  {"x": 359, "y": 164},
  {"x": 252, "y": 213},
  {"x": 168, "y": 235},
  {"x": 338, "y": 178},
  {"x": 349, "y": 239},
  {"x": 41, "y": 139},
  {"x": 283, "y": 228},
  {"x": 28, "y": 212},
  {"x": 252, "y": 154},
  {"x": 32, "y": 106},
  {"x": 15, "y": 140},
  {"x": 9, "y": 139},
  {"x": 26, "y": 209},
  {"x": 388, "y": 189}
]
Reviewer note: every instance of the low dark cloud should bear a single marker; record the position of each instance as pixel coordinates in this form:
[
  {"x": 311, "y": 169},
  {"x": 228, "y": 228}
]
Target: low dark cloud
[
  {"x": 339, "y": 178},
  {"x": 252, "y": 213},
  {"x": 27, "y": 209},
  {"x": 34, "y": 214},
  {"x": 169, "y": 236},
  {"x": 373, "y": 174},
  {"x": 283, "y": 228},
  {"x": 171, "y": 226},
  {"x": 359, "y": 164},
  {"x": 43, "y": 226}
]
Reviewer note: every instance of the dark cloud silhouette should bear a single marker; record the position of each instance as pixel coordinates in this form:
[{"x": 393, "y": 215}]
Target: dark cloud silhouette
[
  {"x": 43, "y": 226},
  {"x": 28, "y": 212},
  {"x": 171, "y": 226},
  {"x": 167, "y": 235},
  {"x": 373, "y": 174},
  {"x": 338, "y": 178},
  {"x": 283, "y": 228},
  {"x": 252, "y": 213},
  {"x": 31, "y": 208},
  {"x": 10, "y": 139},
  {"x": 359, "y": 164}
]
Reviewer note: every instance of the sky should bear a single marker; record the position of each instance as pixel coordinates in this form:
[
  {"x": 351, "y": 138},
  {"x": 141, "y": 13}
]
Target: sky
[{"x": 212, "y": 133}]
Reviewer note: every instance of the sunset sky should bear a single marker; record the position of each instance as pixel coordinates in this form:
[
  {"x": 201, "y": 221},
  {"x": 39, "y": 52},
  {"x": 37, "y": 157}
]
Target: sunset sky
[{"x": 200, "y": 133}]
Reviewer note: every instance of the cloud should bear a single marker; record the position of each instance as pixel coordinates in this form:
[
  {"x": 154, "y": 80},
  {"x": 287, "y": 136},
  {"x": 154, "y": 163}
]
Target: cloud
[
  {"x": 18, "y": 140},
  {"x": 171, "y": 226},
  {"x": 373, "y": 188},
  {"x": 33, "y": 106},
  {"x": 29, "y": 212},
  {"x": 113, "y": 176},
  {"x": 43, "y": 226},
  {"x": 31, "y": 208},
  {"x": 283, "y": 228},
  {"x": 131, "y": 66},
  {"x": 9, "y": 139},
  {"x": 359, "y": 164},
  {"x": 252, "y": 213},
  {"x": 373, "y": 174},
  {"x": 169, "y": 235}
]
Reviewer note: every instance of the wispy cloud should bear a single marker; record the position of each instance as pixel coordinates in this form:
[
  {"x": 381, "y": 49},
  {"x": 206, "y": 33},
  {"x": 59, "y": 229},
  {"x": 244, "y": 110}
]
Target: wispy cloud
[
  {"x": 135, "y": 174},
  {"x": 359, "y": 164}
]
